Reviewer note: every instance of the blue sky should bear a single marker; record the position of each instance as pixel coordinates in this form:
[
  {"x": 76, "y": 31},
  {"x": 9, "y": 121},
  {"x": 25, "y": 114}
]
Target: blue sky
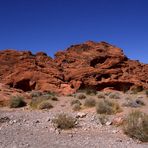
[{"x": 50, "y": 25}]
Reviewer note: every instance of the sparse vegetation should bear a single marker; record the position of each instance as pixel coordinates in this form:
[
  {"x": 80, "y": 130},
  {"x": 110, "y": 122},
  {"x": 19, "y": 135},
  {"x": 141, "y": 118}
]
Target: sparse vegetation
[
  {"x": 75, "y": 102},
  {"x": 90, "y": 91},
  {"x": 146, "y": 92},
  {"x": 17, "y": 101},
  {"x": 133, "y": 103},
  {"x": 81, "y": 96},
  {"x": 114, "y": 95},
  {"x": 90, "y": 102},
  {"x": 136, "y": 126},
  {"x": 53, "y": 98},
  {"x": 136, "y": 89},
  {"x": 76, "y": 107},
  {"x": 101, "y": 96},
  {"x": 45, "y": 105},
  {"x": 107, "y": 107},
  {"x": 103, "y": 118},
  {"x": 36, "y": 93},
  {"x": 64, "y": 121},
  {"x": 37, "y": 100}
]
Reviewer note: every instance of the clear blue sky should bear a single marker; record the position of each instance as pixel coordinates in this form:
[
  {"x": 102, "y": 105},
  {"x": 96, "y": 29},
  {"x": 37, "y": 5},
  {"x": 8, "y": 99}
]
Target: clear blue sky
[{"x": 50, "y": 25}]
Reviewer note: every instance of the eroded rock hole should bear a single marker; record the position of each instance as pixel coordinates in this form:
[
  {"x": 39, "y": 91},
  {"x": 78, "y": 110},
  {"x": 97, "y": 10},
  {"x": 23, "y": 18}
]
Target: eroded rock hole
[
  {"x": 98, "y": 60},
  {"x": 24, "y": 85},
  {"x": 104, "y": 76}
]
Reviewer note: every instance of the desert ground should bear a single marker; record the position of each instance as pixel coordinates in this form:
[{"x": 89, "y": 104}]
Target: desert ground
[{"x": 30, "y": 127}]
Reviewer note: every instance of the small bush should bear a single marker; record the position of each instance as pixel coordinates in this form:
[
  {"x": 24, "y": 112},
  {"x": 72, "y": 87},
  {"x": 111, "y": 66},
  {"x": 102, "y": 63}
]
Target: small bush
[
  {"x": 107, "y": 93},
  {"x": 76, "y": 107},
  {"x": 103, "y": 119},
  {"x": 54, "y": 98},
  {"x": 45, "y": 105},
  {"x": 114, "y": 96},
  {"x": 64, "y": 121},
  {"x": 136, "y": 89},
  {"x": 146, "y": 92},
  {"x": 136, "y": 126},
  {"x": 37, "y": 100},
  {"x": 91, "y": 91},
  {"x": 49, "y": 93},
  {"x": 101, "y": 96},
  {"x": 17, "y": 101},
  {"x": 107, "y": 107},
  {"x": 36, "y": 93},
  {"x": 134, "y": 103},
  {"x": 90, "y": 102},
  {"x": 81, "y": 96},
  {"x": 75, "y": 102}
]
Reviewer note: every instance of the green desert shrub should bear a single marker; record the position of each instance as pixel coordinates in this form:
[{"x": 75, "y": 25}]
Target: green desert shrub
[
  {"x": 90, "y": 102},
  {"x": 45, "y": 105},
  {"x": 64, "y": 121},
  {"x": 136, "y": 126},
  {"x": 107, "y": 107},
  {"x": 81, "y": 96},
  {"x": 17, "y": 101}
]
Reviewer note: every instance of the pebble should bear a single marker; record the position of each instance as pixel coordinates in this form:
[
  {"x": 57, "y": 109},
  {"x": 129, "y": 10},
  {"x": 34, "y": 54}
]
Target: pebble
[
  {"x": 108, "y": 123},
  {"x": 115, "y": 131},
  {"x": 119, "y": 140},
  {"x": 81, "y": 115}
]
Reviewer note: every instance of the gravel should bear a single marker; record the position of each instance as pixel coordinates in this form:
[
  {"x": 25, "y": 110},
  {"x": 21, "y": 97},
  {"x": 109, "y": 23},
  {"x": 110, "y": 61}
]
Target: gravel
[{"x": 34, "y": 129}]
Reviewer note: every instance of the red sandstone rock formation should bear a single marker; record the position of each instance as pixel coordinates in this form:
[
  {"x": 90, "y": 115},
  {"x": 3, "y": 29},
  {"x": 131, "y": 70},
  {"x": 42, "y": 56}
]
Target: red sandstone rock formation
[{"x": 93, "y": 65}]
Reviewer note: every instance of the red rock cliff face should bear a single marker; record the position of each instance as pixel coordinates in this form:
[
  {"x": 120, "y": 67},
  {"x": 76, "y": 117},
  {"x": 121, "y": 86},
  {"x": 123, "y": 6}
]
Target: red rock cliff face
[{"x": 93, "y": 65}]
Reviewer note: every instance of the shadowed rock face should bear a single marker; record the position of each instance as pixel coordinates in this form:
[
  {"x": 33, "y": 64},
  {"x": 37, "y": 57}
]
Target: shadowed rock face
[{"x": 93, "y": 65}]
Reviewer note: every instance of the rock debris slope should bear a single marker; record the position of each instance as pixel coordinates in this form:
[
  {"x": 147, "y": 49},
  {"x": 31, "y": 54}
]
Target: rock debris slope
[{"x": 88, "y": 65}]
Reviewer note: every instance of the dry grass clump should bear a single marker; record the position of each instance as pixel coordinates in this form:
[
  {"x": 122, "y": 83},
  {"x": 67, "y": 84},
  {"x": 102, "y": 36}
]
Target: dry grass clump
[
  {"x": 76, "y": 107},
  {"x": 146, "y": 92},
  {"x": 35, "y": 94},
  {"x": 101, "y": 96},
  {"x": 45, "y": 105},
  {"x": 136, "y": 126},
  {"x": 90, "y": 102},
  {"x": 75, "y": 102},
  {"x": 114, "y": 95},
  {"x": 54, "y": 98},
  {"x": 103, "y": 118},
  {"x": 35, "y": 101},
  {"x": 64, "y": 121},
  {"x": 90, "y": 91},
  {"x": 134, "y": 103},
  {"x": 107, "y": 107},
  {"x": 81, "y": 96},
  {"x": 136, "y": 89},
  {"x": 17, "y": 101}
]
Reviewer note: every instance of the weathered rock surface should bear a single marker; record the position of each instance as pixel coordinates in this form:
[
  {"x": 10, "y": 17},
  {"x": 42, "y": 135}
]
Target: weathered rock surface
[{"x": 93, "y": 65}]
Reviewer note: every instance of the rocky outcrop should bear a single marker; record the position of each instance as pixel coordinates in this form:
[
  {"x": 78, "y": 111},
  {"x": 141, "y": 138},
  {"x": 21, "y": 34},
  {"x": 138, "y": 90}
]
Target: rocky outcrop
[
  {"x": 93, "y": 65},
  {"x": 100, "y": 65}
]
